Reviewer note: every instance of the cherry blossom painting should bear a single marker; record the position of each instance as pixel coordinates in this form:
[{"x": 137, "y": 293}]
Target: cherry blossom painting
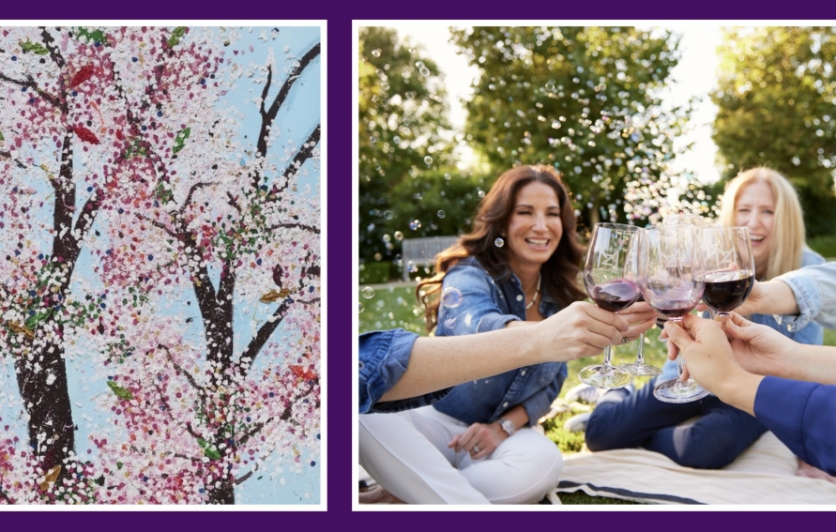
[{"x": 160, "y": 265}]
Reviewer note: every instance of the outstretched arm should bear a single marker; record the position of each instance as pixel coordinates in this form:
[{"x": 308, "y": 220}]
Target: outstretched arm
[
  {"x": 579, "y": 330},
  {"x": 797, "y": 297},
  {"x": 799, "y": 413}
]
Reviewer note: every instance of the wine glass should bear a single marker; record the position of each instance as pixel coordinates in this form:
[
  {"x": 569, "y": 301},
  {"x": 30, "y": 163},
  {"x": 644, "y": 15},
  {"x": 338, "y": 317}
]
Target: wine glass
[
  {"x": 639, "y": 368},
  {"x": 672, "y": 282},
  {"x": 610, "y": 275},
  {"x": 729, "y": 268}
]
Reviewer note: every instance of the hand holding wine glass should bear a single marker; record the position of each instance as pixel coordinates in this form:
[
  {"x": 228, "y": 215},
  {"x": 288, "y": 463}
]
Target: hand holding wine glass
[{"x": 610, "y": 275}]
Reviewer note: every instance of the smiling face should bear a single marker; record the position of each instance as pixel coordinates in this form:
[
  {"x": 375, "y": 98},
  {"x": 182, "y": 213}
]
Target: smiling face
[
  {"x": 755, "y": 209},
  {"x": 534, "y": 228}
]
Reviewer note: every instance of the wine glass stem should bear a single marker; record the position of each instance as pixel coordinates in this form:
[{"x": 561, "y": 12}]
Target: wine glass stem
[
  {"x": 680, "y": 362},
  {"x": 640, "y": 352},
  {"x": 607, "y": 355}
]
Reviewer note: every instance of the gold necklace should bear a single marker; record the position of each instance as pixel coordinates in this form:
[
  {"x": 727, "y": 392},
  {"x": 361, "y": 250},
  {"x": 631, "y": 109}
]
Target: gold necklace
[{"x": 536, "y": 293}]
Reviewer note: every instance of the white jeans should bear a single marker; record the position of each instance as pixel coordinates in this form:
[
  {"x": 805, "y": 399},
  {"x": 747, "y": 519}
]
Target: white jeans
[{"x": 407, "y": 454}]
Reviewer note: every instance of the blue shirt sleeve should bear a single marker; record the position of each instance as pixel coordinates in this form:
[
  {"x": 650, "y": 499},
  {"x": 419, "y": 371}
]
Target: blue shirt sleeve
[
  {"x": 539, "y": 404},
  {"x": 814, "y": 288},
  {"x": 384, "y": 357},
  {"x": 803, "y": 416}
]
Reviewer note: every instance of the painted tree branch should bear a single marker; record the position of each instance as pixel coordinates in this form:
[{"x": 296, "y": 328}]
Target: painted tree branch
[
  {"x": 293, "y": 225},
  {"x": 8, "y": 155},
  {"x": 301, "y": 156},
  {"x": 268, "y": 116},
  {"x": 30, "y": 84},
  {"x": 54, "y": 52},
  {"x": 261, "y": 337},
  {"x": 192, "y": 190},
  {"x": 182, "y": 372}
]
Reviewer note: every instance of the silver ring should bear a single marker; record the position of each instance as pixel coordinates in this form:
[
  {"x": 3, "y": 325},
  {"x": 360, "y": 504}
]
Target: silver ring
[
  {"x": 624, "y": 340},
  {"x": 475, "y": 449}
]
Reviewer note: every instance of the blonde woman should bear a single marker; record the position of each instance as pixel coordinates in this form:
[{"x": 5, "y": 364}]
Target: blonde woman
[{"x": 765, "y": 202}]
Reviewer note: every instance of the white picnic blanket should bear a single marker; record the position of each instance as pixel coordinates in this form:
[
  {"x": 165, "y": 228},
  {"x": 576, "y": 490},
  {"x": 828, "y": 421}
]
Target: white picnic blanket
[{"x": 763, "y": 474}]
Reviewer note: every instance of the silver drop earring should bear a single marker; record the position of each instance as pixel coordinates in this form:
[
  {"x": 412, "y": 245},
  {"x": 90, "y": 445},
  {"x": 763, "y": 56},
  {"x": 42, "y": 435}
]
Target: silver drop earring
[{"x": 499, "y": 242}]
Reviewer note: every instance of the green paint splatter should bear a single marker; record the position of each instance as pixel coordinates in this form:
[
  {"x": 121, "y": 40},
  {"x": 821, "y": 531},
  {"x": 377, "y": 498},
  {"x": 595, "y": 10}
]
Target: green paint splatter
[
  {"x": 209, "y": 450},
  {"x": 176, "y": 35},
  {"x": 181, "y": 138},
  {"x": 120, "y": 392},
  {"x": 95, "y": 36},
  {"x": 34, "y": 47}
]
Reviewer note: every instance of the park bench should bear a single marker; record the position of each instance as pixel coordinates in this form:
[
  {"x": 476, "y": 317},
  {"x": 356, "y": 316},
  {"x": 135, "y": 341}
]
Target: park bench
[{"x": 422, "y": 251}]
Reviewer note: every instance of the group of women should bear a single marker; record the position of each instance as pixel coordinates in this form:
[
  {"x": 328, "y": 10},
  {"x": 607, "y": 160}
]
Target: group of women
[{"x": 473, "y": 443}]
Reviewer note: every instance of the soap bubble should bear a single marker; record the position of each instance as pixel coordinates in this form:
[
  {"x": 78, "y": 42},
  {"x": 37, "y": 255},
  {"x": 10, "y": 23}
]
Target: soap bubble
[
  {"x": 368, "y": 292},
  {"x": 451, "y": 298}
]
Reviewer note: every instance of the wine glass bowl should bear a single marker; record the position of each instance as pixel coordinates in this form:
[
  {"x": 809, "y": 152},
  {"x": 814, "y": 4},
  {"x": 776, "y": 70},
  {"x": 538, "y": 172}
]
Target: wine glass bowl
[
  {"x": 610, "y": 277},
  {"x": 672, "y": 282},
  {"x": 729, "y": 267}
]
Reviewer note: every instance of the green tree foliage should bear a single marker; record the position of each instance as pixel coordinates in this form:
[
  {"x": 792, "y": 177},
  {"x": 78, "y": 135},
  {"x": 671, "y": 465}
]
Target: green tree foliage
[
  {"x": 776, "y": 94},
  {"x": 586, "y": 100},
  {"x": 402, "y": 125}
]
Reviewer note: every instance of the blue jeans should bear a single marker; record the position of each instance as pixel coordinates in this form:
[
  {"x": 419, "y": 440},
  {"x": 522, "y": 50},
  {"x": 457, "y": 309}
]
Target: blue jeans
[{"x": 623, "y": 419}]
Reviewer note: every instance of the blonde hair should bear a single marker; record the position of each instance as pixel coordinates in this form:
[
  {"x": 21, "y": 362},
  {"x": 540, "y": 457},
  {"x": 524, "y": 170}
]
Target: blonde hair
[{"x": 788, "y": 233}]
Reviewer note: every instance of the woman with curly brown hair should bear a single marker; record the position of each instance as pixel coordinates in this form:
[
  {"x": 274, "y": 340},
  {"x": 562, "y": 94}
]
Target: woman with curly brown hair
[{"x": 519, "y": 265}]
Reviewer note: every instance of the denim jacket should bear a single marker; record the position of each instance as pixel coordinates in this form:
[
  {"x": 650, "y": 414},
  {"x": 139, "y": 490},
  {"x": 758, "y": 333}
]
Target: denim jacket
[
  {"x": 384, "y": 356},
  {"x": 488, "y": 304},
  {"x": 808, "y": 333}
]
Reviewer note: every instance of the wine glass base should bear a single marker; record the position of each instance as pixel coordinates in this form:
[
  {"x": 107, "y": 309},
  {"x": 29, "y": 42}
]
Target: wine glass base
[
  {"x": 605, "y": 377},
  {"x": 676, "y": 391},
  {"x": 641, "y": 370}
]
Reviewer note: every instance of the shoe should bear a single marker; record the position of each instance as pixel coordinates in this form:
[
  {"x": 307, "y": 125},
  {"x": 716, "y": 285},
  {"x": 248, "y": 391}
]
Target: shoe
[
  {"x": 577, "y": 423},
  {"x": 584, "y": 393},
  {"x": 616, "y": 394}
]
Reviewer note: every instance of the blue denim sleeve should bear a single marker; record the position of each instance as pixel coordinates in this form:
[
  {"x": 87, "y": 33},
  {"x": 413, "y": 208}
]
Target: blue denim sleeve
[
  {"x": 384, "y": 357},
  {"x": 814, "y": 288},
  {"x": 800, "y": 414},
  {"x": 539, "y": 404},
  {"x": 811, "y": 334},
  {"x": 478, "y": 310}
]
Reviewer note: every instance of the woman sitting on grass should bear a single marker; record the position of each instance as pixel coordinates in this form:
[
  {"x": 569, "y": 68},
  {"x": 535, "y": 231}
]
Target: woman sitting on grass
[{"x": 518, "y": 266}]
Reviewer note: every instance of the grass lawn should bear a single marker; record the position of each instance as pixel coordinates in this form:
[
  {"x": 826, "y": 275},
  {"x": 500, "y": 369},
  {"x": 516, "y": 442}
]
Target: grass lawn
[{"x": 392, "y": 306}]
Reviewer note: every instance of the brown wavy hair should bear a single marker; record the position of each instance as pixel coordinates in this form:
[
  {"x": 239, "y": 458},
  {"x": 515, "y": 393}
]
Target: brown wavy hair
[{"x": 559, "y": 272}]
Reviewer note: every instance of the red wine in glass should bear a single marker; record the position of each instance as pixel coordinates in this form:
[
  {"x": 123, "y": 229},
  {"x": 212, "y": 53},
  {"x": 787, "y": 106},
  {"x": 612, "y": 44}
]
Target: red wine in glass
[
  {"x": 729, "y": 267},
  {"x": 673, "y": 309},
  {"x": 727, "y": 290},
  {"x": 615, "y": 295}
]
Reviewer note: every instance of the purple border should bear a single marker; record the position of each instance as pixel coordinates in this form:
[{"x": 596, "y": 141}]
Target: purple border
[{"x": 339, "y": 50}]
